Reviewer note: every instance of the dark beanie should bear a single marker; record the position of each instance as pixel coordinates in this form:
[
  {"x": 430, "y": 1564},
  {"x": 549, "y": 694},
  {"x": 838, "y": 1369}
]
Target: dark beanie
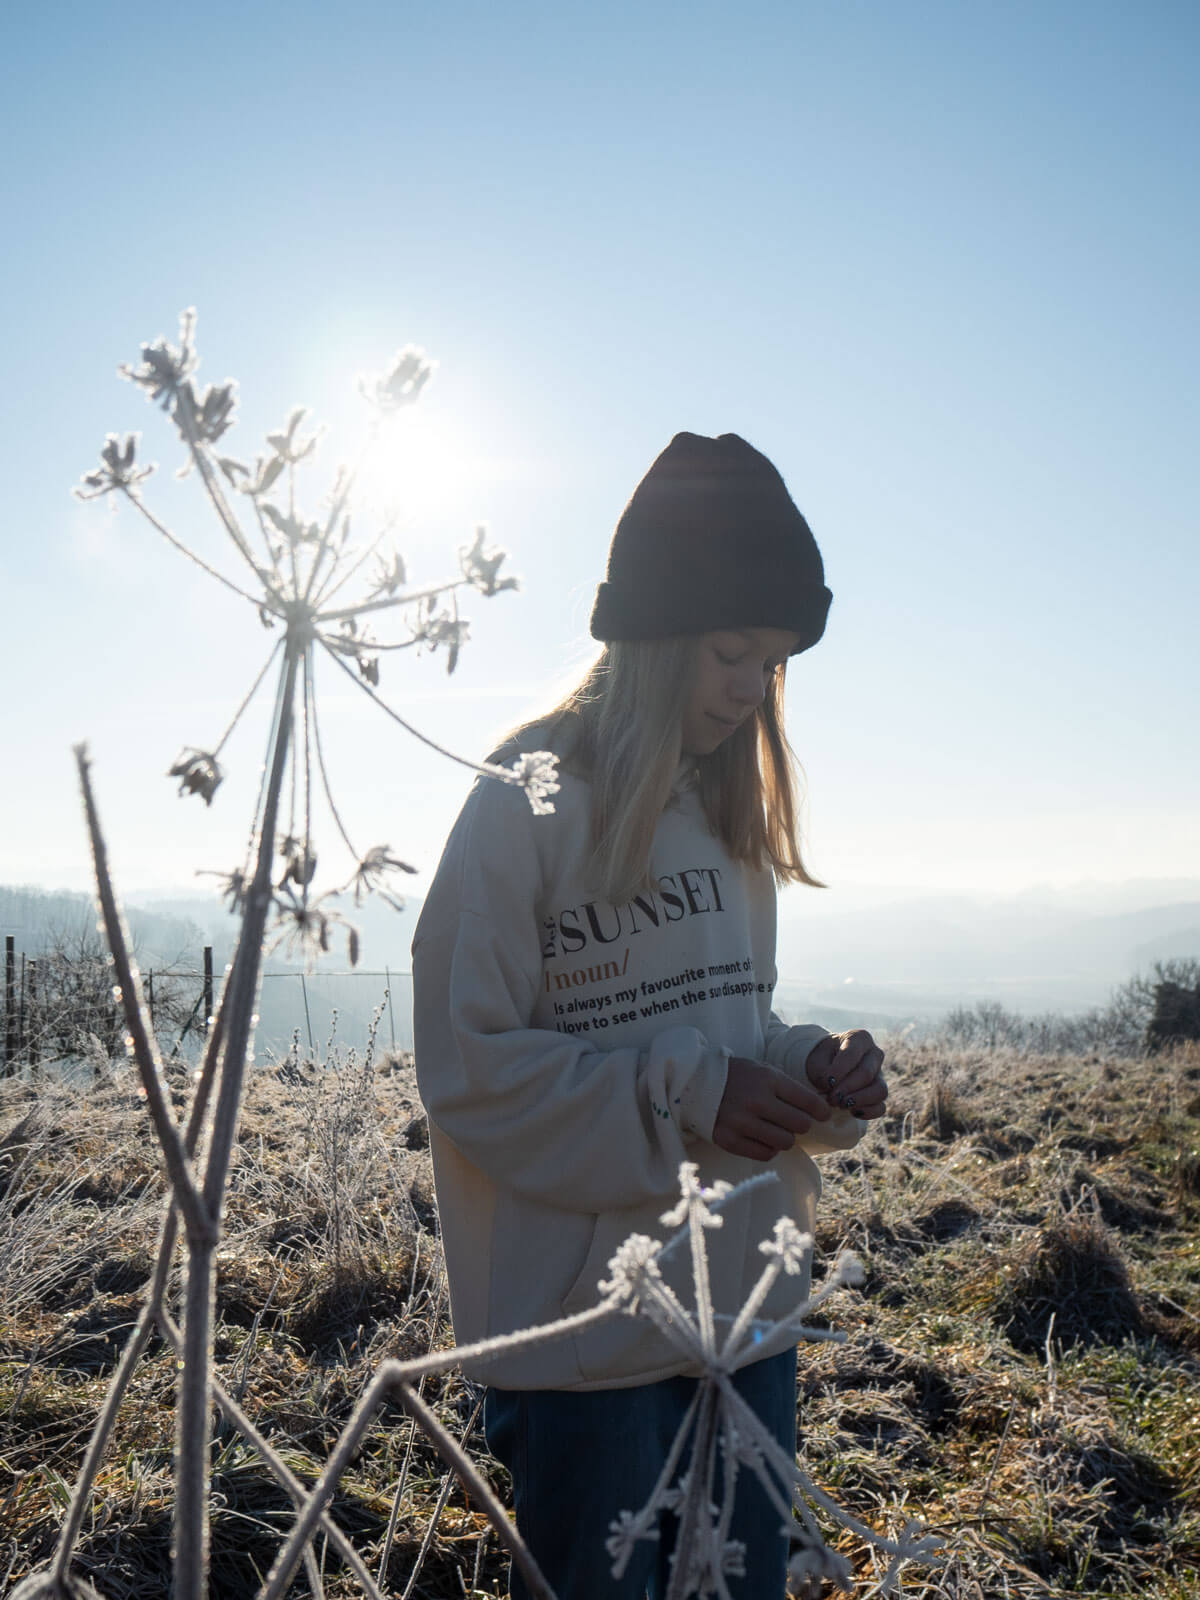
[{"x": 711, "y": 539}]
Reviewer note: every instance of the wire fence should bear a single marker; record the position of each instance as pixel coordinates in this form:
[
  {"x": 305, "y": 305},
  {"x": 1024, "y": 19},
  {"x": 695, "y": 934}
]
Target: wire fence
[
  {"x": 59, "y": 1009},
  {"x": 321, "y": 1007}
]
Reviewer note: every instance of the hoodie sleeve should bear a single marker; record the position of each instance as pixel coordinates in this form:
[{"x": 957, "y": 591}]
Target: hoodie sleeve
[
  {"x": 543, "y": 1113},
  {"x": 788, "y": 1048}
]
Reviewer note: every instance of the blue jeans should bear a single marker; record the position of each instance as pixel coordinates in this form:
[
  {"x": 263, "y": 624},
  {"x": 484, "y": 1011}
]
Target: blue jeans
[{"x": 577, "y": 1459}]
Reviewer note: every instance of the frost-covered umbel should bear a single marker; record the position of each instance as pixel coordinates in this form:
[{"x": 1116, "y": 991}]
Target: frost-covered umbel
[
  {"x": 298, "y": 568},
  {"x": 721, "y": 1435},
  {"x": 718, "y": 1422}
]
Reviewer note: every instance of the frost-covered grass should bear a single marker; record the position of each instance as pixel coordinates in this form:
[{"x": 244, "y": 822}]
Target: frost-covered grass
[{"x": 1023, "y": 1371}]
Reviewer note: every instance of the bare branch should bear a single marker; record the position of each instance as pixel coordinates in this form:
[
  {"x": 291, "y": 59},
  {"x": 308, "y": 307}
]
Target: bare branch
[
  {"x": 197, "y": 1216},
  {"x": 185, "y": 415},
  {"x": 179, "y": 545}
]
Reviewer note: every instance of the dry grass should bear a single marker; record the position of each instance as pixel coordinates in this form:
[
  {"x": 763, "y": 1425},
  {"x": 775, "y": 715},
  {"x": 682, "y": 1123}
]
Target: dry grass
[{"x": 1023, "y": 1371}]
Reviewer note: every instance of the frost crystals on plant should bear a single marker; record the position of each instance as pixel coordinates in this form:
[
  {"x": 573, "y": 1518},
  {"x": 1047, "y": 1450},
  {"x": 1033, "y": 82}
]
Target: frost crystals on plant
[
  {"x": 536, "y": 773},
  {"x": 293, "y": 568},
  {"x": 298, "y": 565},
  {"x": 198, "y": 773},
  {"x": 116, "y": 470},
  {"x": 721, "y": 1435}
]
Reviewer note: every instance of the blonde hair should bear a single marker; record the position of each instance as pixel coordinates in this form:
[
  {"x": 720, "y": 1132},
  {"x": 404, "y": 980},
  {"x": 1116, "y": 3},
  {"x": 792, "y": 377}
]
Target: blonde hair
[{"x": 620, "y": 728}]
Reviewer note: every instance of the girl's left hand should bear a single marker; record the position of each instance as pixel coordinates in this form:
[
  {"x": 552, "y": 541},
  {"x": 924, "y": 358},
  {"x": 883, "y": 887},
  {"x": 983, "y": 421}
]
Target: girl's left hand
[{"x": 847, "y": 1068}]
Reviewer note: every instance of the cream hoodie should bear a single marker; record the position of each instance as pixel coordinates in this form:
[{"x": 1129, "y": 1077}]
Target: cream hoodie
[{"x": 571, "y": 1054}]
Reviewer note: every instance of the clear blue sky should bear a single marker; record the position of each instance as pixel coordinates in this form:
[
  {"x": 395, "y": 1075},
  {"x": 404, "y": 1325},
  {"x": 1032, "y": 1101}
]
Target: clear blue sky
[{"x": 937, "y": 259}]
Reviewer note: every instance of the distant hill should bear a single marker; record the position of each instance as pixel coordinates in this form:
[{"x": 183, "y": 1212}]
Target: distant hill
[
  {"x": 36, "y": 918},
  {"x": 171, "y": 931},
  {"x": 913, "y": 955},
  {"x": 293, "y": 999},
  {"x": 882, "y": 957}
]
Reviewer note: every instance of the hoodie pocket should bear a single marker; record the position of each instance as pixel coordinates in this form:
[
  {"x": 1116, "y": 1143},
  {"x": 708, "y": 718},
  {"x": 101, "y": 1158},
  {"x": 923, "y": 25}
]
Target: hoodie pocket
[
  {"x": 584, "y": 1291},
  {"x": 624, "y": 1347}
]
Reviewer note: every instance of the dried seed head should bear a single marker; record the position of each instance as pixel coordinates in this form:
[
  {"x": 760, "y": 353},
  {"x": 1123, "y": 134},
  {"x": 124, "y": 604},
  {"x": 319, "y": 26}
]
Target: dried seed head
[
  {"x": 537, "y": 773},
  {"x": 300, "y": 861},
  {"x": 116, "y": 471},
  {"x": 435, "y": 628},
  {"x": 286, "y": 446},
  {"x": 401, "y": 385},
  {"x": 198, "y": 772},
  {"x": 789, "y": 1246},
  {"x": 373, "y": 871},
  {"x": 631, "y": 1269},
  {"x": 163, "y": 366},
  {"x": 479, "y": 566},
  {"x": 211, "y": 415}
]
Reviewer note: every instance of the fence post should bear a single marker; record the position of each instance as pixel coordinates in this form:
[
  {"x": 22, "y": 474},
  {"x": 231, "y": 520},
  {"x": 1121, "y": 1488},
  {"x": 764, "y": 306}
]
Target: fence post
[
  {"x": 307, "y": 1018},
  {"x": 34, "y": 1050},
  {"x": 10, "y": 1004},
  {"x": 22, "y": 1037},
  {"x": 387, "y": 972},
  {"x": 150, "y": 994},
  {"x": 208, "y": 988}
]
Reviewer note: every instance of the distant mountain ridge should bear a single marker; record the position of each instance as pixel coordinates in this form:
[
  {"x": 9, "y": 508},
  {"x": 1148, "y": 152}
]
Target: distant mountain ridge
[
  {"x": 35, "y": 917},
  {"x": 881, "y": 956},
  {"x": 1049, "y": 951}
]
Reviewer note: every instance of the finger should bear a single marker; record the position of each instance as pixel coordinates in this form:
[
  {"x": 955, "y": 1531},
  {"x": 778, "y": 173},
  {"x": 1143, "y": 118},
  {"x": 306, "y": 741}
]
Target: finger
[
  {"x": 842, "y": 1053},
  {"x": 800, "y": 1097},
  {"x": 874, "y": 1093},
  {"x": 820, "y": 1057},
  {"x": 852, "y": 1049},
  {"x": 770, "y": 1129},
  {"x": 873, "y": 1097},
  {"x": 864, "y": 1074},
  {"x": 869, "y": 1113},
  {"x": 737, "y": 1144}
]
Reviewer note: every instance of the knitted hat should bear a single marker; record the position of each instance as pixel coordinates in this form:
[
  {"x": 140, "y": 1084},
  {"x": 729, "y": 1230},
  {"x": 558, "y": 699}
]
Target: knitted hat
[{"x": 711, "y": 539}]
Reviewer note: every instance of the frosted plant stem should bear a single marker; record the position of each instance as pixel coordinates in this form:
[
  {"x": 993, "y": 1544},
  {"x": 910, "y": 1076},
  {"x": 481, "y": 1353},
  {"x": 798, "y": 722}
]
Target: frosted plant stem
[
  {"x": 455, "y": 1457},
  {"x": 704, "y": 1305},
  {"x": 391, "y": 602},
  {"x": 250, "y": 693},
  {"x": 136, "y": 1342},
  {"x": 191, "y": 554},
  {"x": 118, "y": 1385},
  {"x": 696, "y": 1496},
  {"x": 343, "y": 487},
  {"x": 779, "y": 1499},
  {"x": 648, "y": 1515},
  {"x": 316, "y": 730},
  {"x": 145, "y": 1052},
  {"x": 729, "y": 1465},
  {"x": 324, "y": 596},
  {"x": 192, "y": 1428},
  {"x": 390, "y": 1535},
  {"x": 395, "y": 1377},
  {"x": 277, "y": 1467},
  {"x": 183, "y": 412},
  {"x": 407, "y": 726},
  {"x": 755, "y": 1429},
  {"x": 749, "y": 1311},
  {"x": 440, "y": 1506},
  {"x": 192, "y": 1453}
]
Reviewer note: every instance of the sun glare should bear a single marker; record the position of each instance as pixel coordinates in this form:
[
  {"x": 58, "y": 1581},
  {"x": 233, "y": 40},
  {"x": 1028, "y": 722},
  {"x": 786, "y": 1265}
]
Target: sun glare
[{"x": 427, "y": 473}]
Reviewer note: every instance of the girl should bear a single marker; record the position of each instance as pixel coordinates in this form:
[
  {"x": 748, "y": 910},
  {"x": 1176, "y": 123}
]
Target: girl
[{"x": 592, "y": 1007}]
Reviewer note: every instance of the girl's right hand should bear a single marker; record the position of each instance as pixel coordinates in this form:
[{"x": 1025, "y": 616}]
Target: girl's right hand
[{"x": 762, "y": 1110}]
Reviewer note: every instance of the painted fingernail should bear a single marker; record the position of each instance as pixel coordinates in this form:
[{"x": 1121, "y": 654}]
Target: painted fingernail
[
  {"x": 832, "y": 1080},
  {"x": 841, "y": 1099},
  {"x": 850, "y": 1102}
]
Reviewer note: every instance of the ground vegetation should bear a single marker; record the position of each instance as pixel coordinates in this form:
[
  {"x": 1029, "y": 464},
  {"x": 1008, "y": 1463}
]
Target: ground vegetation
[{"x": 1022, "y": 1371}]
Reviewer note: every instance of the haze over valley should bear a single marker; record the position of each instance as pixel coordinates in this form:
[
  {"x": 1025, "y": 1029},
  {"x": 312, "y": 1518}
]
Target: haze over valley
[{"x": 884, "y": 958}]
